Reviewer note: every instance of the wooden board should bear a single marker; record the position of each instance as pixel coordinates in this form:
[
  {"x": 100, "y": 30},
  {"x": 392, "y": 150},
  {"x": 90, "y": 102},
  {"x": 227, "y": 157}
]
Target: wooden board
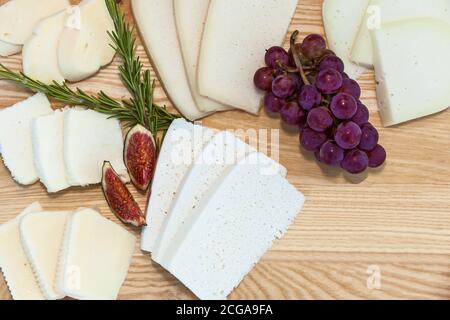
[{"x": 395, "y": 223}]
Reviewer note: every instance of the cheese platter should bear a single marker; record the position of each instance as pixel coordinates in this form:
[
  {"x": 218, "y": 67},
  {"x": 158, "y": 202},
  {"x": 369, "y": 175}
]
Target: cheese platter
[{"x": 387, "y": 223}]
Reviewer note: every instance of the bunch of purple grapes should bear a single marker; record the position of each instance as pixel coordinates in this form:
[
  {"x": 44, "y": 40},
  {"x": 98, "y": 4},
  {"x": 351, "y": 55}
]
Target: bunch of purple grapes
[{"x": 308, "y": 87}]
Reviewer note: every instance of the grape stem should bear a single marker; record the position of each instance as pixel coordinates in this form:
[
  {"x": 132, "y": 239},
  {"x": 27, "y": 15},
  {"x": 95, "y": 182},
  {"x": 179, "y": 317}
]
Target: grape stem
[{"x": 296, "y": 55}]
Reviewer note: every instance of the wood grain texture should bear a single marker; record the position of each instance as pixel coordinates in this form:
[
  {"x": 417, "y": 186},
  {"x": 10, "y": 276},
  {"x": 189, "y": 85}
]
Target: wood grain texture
[{"x": 396, "y": 220}]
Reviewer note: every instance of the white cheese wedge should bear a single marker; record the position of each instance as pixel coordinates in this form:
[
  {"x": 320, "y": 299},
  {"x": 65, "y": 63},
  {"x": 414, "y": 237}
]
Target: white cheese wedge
[
  {"x": 18, "y": 17},
  {"x": 8, "y": 49},
  {"x": 384, "y": 11},
  {"x": 90, "y": 138},
  {"x": 182, "y": 145},
  {"x": 156, "y": 23},
  {"x": 15, "y": 136},
  {"x": 95, "y": 257},
  {"x": 220, "y": 154},
  {"x": 85, "y": 47},
  {"x": 412, "y": 69},
  {"x": 190, "y": 17},
  {"x": 14, "y": 263},
  {"x": 42, "y": 236},
  {"x": 342, "y": 20},
  {"x": 48, "y": 150},
  {"x": 236, "y": 226},
  {"x": 39, "y": 56},
  {"x": 236, "y": 35}
]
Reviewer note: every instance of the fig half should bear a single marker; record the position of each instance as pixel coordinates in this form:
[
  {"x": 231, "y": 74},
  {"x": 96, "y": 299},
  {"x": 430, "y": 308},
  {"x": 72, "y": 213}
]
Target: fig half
[
  {"x": 140, "y": 156},
  {"x": 119, "y": 198}
]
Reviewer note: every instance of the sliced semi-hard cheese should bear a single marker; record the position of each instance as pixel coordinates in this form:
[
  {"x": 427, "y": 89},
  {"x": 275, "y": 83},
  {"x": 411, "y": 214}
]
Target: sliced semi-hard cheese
[
  {"x": 156, "y": 23},
  {"x": 18, "y": 17},
  {"x": 234, "y": 228},
  {"x": 221, "y": 153},
  {"x": 39, "y": 56},
  {"x": 182, "y": 144},
  {"x": 385, "y": 11},
  {"x": 15, "y": 136},
  {"x": 42, "y": 236},
  {"x": 342, "y": 19},
  {"x": 412, "y": 69},
  {"x": 85, "y": 46},
  {"x": 8, "y": 49},
  {"x": 14, "y": 264},
  {"x": 236, "y": 35},
  {"x": 190, "y": 17},
  {"x": 48, "y": 150},
  {"x": 90, "y": 138},
  {"x": 95, "y": 257}
]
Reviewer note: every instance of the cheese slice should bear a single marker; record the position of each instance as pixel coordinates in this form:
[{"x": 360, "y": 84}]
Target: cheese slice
[
  {"x": 221, "y": 153},
  {"x": 236, "y": 35},
  {"x": 8, "y": 49},
  {"x": 95, "y": 257},
  {"x": 15, "y": 136},
  {"x": 14, "y": 264},
  {"x": 342, "y": 20},
  {"x": 18, "y": 17},
  {"x": 182, "y": 144},
  {"x": 90, "y": 138},
  {"x": 412, "y": 69},
  {"x": 48, "y": 150},
  {"x": 190, "y": 17},
  {"x": 385, "y": 11},
  {"x": 234, "y": 228},
  {"x": 39, "y": 56},
  {"x": 42, "y": 235},
  {"x": 156, "y": 23}
]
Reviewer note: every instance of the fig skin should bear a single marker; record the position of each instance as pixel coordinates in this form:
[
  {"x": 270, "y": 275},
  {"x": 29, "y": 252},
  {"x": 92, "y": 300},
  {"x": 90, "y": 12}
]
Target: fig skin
[
  {"x": 140, "y": 156},
  {"x": 120, "y": 199}
]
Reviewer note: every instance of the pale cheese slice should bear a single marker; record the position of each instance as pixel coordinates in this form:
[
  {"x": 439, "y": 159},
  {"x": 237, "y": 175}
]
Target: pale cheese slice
[
  {"x": 18, "y": 17},
  {"x": 14, "y": 263},
  {"x": 220, "y": 154},
  {"x": 190, "y": 17},
  {"x": 236, "y": 35},
  {"x": 42, "y": 236},
  {"x": 156, "y": 23},
  {"x": 234, "y": 228},
  {"x": 15, "y": 136},
  {"x": 412, "y": 69},
  {"x": 8, "y": 49},
  {"x": 48, "y": 150},
  {"x": 385, "y": 11},
  {"x": 182, "y": 144},
  {"x": 90, "y": 138},
  {"x": 39, "y": 56},
  {"x": 95, "y": 257},
  {"x": 342, "y": 20}
]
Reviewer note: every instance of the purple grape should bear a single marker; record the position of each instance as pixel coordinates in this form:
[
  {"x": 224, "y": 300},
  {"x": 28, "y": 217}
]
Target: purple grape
[
  {"x": 297, "y": 79},
  {"x": 369, "y": 137},
  {"x": 312, "y": 140},
  {"x": 345, "y": 76},
  {"x": 283, "y": 86},
  {"x": 263, "y": 78},
  {"x": 351, "y": 87},
  {"x": 329, "y": 81},
  {"x": 313, "y": 46},
  {"x": 343, "y": 106},
  {"x": 317, "y": 155},
  {"x": 348, "y": 135},
  {"x": 362, "y": 115},
  {"x": 275, "y": 54},
  {"x": 272, "y": 103},
  {"x": 331, "y": 62},
  {"x": 320, "y": 119},
  {"x": 355, "y": 161},
  {"x": 331, "y": 154},
  {"x": 292, "y": 114},
  {"x": 309, "y": 97},
  {"x": 377, "y": 156},
  {"x": 312, "y": 78}
]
